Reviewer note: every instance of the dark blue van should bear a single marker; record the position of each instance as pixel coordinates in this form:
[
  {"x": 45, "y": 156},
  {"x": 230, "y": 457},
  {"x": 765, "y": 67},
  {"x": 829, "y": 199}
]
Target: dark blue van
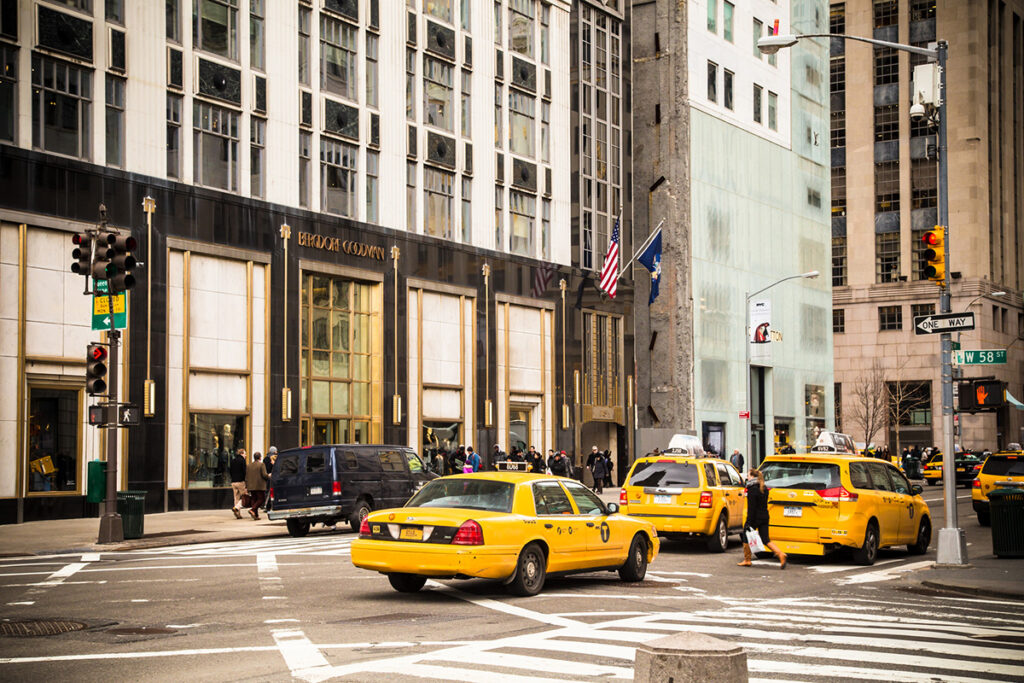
[{"x": 342, "y": 482}]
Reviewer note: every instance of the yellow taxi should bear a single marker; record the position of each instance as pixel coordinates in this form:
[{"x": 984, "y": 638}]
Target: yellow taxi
[
  {"x": 686, "y": 495},
  {"x": 514, "y": 527},
  {"x": 826, "y": 500},
  {"x": 1004, "y": 469},
  {"x": 967, "y": 467}
]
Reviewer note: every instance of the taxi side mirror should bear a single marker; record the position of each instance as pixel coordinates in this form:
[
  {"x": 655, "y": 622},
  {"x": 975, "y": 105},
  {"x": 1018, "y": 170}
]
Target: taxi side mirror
[
  {"x": 612, "y": 508},
  {"x": 916, "y": 489}
]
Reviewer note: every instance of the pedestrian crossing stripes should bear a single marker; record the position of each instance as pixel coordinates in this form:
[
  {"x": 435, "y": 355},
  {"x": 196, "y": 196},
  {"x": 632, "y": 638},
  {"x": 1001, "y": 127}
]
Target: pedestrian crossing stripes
[{"x": 319, "y": 544}]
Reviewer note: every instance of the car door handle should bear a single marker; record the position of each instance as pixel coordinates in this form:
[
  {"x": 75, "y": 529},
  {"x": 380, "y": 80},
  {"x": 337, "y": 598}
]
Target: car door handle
[
  {"x": 590, "y": 524},
  {"x": 549, "y": 526}
]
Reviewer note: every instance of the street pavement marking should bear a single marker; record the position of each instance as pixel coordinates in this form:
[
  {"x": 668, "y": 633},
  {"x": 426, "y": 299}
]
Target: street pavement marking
[
  {"x": 497, "y": 606},
  {"x": 90, "y": 557},
  {"x": 302, "y": 657},
  {"x": 884, "y": 574},
  {"x": 23, "y": 602},
  {"x": 58, "y": 577},
  {"x": 863, "y": 619},
  {"x": 831, "y": 568}
]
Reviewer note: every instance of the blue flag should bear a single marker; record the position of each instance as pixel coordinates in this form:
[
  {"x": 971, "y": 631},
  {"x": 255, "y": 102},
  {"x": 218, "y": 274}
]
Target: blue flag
[{"x": 651, "y": 260}]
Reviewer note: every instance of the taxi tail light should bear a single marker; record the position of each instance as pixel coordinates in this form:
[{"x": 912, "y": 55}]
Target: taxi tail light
[
  {"x": 622, "y": 496},
  {"x": 336, "y": 488},
  {"x": 705, "y": 499},
  {"x": 837, "y": 494},
  {"x": 469, "y": 533},
  {"x": 976, "y": 484},
  {"x": 364, "y": 529}
]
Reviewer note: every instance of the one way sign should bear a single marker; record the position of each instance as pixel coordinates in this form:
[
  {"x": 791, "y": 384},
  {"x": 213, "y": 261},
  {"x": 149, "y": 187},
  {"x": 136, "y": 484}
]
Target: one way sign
[{"x": 943, "y": 322}]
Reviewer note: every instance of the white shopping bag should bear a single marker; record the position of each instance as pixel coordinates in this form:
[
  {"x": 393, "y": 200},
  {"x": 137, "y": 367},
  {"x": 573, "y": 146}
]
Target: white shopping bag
[{"x": 754, "y": 540}]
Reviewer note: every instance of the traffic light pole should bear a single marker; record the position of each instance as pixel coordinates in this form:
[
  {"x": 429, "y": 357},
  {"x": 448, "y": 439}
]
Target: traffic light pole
[{"x": 111, "y": 529}]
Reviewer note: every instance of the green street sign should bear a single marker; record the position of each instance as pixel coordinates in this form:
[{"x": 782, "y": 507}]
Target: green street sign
[
  {"x": 101, "y": 309},
  {"x": 980, "y": 357},
  {"x": 956, "y": 346}
]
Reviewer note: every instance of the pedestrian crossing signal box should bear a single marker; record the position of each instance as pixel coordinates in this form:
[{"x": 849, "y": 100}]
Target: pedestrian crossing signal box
[{"x": 981, "y": 395}]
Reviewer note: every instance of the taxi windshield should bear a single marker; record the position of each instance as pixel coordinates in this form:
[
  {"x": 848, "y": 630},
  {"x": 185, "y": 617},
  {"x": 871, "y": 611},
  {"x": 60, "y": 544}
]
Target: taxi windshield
[
  {"x": 469, "y": 494},
  {"x": 1008, "y": 465},
  {"x": 801, "y": 475},
  {"x": 665, "y": 473}
]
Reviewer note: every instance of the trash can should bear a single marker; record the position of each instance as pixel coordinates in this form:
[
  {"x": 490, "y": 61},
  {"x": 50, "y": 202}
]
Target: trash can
[
  {"x": 131, "y": 506},
  {"x": 96, "y": 489},
  {"x": 1006, "y": 508}
]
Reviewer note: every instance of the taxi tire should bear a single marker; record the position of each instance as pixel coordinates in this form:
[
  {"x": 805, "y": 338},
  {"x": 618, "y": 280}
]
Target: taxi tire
[
  {"x": 719, "y": 540},
  {"x": 868, "y": 553},
  {"x": 984, "y": 519},
  {"x": 924, "y": 538},
  {"x": 531, "y": 570},
  {"x": 932, "y": 482},
  {"x": 635, "y": 568},
  {"x": 297, "y": 527},
  {"x": 407, "y": 583},
  {"x": 362, "y": 509}
]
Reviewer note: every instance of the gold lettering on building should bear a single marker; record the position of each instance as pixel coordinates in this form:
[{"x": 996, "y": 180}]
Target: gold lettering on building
[{"x": 336, "y": 244}]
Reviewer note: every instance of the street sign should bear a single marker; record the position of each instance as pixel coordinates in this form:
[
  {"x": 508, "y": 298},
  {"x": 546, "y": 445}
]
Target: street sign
[
  {"x": 980, "y": 357},
  {"x": 744, "y": 414},
  {"x": 956, "y": 346},
  {"x": 128, "y": 415},
  {"x": 101, "y": 309},
  {"x": 943, "y": 322}
]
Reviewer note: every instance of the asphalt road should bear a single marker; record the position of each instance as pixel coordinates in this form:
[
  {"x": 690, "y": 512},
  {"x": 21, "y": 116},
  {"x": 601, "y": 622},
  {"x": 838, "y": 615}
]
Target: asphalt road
[{"x": 295, "y": 609}]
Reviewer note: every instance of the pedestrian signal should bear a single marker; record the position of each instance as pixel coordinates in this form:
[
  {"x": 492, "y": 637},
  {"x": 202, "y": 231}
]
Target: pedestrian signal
[
  {"x": 934, "y": 254},
  {"x": 96, "y": 369}
]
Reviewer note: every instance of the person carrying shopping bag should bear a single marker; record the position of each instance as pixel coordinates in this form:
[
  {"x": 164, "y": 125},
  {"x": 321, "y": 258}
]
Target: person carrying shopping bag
[{"x": 757, "y": 519}]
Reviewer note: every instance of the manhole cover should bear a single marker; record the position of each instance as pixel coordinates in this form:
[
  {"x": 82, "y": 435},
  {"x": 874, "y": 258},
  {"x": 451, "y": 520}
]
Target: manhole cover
[
  {"x": 141, "y": 631},
  {"x": 38, "y": 627}
]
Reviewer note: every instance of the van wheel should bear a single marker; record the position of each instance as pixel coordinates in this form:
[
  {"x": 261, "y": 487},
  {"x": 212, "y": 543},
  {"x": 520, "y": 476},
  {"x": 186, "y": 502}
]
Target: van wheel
[
  {"x": 924, "y": 538},
  {"x": 867, "y": 553},
  {"x": 635, "y": 568},
  {"x": 297, "y": 527},
  {"x": 984, "y": 519},
  {"x": 719, "y": 540},
  {"x": 531, "y": 570},
  {"x": 933, "y": 482},
  {"x": 362, "y": 509},
  {"x": 407, "y": 583}
]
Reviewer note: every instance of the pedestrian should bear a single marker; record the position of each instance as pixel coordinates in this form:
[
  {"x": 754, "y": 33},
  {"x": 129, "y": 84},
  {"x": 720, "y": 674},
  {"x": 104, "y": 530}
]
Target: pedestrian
[
  {"x": 594, "y": 453},
  {"x": 439, "y": 462},
  {"x": 599, "y": 469},
  {"x": 256, "y": 483},
  {"x": 737, "y": 460},
  {"x": 472, "y": 459},
  {"x": 757, "y": 518},
  {"x": 536, "y": 462},
  {"x": 557, "y": 465},
  {"x": 550, "y": 461},
  {"x": 237, "y": 471},
  {"x": 457, "y": 460},
  {"x": 788, "y": 449},
  {"x": 609, "y": 465},
  {"x": 498, "y": 455}
]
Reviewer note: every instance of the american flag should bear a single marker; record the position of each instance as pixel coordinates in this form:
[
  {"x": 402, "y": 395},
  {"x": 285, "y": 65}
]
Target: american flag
[
  {"x": 541, "y": 277},
  {"x": 610, "y": 272}
]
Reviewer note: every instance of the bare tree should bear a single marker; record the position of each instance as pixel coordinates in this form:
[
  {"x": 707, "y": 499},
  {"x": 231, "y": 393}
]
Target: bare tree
[{"x": 868, "y": 407}]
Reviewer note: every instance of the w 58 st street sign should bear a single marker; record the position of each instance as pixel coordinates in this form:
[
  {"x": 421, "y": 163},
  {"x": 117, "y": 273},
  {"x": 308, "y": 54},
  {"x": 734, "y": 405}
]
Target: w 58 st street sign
[{"x": 943, "y": 322}]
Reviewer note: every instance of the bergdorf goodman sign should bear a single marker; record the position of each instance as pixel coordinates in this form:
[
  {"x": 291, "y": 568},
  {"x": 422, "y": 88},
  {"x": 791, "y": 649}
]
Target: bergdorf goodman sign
[{"x": 308, "y": 239}]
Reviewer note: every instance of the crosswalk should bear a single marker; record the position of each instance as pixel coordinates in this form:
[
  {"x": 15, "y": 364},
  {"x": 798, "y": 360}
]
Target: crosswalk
[
  {"x": 909, "y": 638},
  {"x": 318, "y": 544}
]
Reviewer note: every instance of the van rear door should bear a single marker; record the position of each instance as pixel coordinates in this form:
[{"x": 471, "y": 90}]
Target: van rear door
[
  {"x": 303, "y": 478},
  {"x": 396, "y": 484}
]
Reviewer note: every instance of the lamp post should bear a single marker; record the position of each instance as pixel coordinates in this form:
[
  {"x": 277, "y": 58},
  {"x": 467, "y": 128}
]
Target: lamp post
[
  {"x": 746, "y": 347},
  {"x": 952, "y": 543}
]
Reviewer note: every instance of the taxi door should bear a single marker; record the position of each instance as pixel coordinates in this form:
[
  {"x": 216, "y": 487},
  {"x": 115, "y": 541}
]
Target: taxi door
[
  {"x": 606, "y": 540},
  {"x": 561, "y": 527},
  {"x": 905, "y": 499},
  {"x": 732, "y": 491},
  {"x": 888, "y": 508}
]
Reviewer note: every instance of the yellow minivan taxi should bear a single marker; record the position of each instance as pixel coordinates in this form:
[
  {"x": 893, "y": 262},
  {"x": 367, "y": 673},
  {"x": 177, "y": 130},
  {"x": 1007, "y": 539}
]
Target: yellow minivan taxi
[
  {"x": 1004, "y": 469},
  {"x": 819, "y": 502},
  {"x": 684, "y": 495}
]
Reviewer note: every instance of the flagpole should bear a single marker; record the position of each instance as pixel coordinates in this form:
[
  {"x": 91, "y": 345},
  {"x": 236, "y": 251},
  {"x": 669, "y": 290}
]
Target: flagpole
[{"x": 647, "y": 242}]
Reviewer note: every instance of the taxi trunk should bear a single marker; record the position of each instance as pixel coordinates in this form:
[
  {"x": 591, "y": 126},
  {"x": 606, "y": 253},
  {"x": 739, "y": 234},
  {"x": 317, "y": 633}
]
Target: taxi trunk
[
  {"x": 669, "y": 494},
  {"x": 809, "y": 507}
]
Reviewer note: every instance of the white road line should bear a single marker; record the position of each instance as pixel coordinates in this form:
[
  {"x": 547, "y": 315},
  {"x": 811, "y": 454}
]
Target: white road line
[
  {"x": 266, "y": 563},
  {"x": 557, "y": 666},
  {"x": 58, "y": 577},
  {"x": 829, "y": 569},
  {"x": 302, "y": 657},
  {"x": 883, "y": 574},
  {"x": 23, "y": 602},
  {"x": 506, "y": 608},
  {"x": 851, "y": 672},
  {"x": 703, "y": 576},
  {"x": 862, "y": 619},
  {"x": 90, "y": 557},
  {"x": 447, "y": 673}
]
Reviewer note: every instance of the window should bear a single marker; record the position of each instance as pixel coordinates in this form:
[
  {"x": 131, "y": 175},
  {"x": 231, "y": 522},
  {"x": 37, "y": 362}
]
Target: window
[
  {"x": 437, "y": 93},
  {"x": 886, "y": 66},
  {"x": 520, "y": 26},
  {"x": 213, "y": 440},
  {"x": 520, "y": 123},
  {"x": 921, "y": 10},
  {"x": 467, "y": 209},
  {"x": 115, "y": 121},
  {"x": 602, "y": 337},
  {"x": 921, "y": 309},
  {"x": 499, "y": 216},
  {"x": 837, "y": 129},
  {"x": 712, "y": 82},
  {"x": 917, "y": 249},
  {"x": 887, "y": 186},
  {"x": 885, "y": 13},
  {"x": 173, "y": 136},
  {"x": 338, "y": 165},
  {"x": 727, "y": 88},
  {"x": 923, "y": 184},
  {"x": 257, "y": 155},
  {"x": 838, "y": 191},
  {"x": 713, "y": 16},
  {"x": 8, "y": 92},
  {"x": 727, "y": 11},
  {"x": 54, "y": 448},
  {"x": 438, "y": 197},
  {"x": 466, "y": 114},
  {"x": 890, "y": 318},
  {"x": 545, "y": 229},
  {"x": 410, "y": 84},
  {"x": 338, "y": 57},
  {"x": 61, "y": 95},
  {"x": 887, "y": 257},
  {"x": 257, "y": 38},
  {"x": 909, "y": 403},
  {"x": 304, "y": 32},
  {"x": 497, "y": 116},
  {"x": 586, "y": 501},
  {"x": 839, "y": 261},
  {"x": 172, "y": 15},
  {"x": 215, "y": 145},
  {"x": 550, "y": 499},
  {"x": 523, "y": 213},
  {"x": 305, "y": 162},
  {"x": 756, "y": 33},
  {"x": 464, "y": 14},
  {"x": 410, "y": 196},
  {"x": 215, "y": 27},
  {"x": 114, "y": 11},
  {"x": 837, "y": 18},
  {"x": 887, "y": 123},
  {"x": 773, "y": 110},
  {"x": 442, "y": 9},
  {"x": 372, "y": 184},
  {"x": 838, "y": 320},
  {"x": 837, "y": 76},
  {"x": 371, "y": 69},
  {"x": 545, "y": 20}
]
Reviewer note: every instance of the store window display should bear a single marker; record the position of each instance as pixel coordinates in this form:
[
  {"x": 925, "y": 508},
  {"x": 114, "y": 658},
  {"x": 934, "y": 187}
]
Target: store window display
[
  {"x": 54, "y": 433},
  {"x": 212, "y": 439}
]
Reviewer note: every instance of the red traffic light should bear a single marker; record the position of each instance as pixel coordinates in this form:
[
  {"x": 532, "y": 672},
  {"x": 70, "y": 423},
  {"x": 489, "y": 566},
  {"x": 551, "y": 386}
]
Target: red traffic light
[
  {"x": 97, "y": 352},
  {"x": 930, "y": 238}
]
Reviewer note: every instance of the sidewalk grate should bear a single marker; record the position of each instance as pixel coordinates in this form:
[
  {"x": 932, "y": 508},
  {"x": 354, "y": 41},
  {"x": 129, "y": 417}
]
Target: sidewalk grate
[{"x": 38, "y": 627}]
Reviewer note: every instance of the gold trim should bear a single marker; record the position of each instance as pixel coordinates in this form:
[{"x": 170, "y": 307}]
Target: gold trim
[
  {"x": 505, "y": 401},
  {"x": 167, "y": 390},
  {"x": 79, "y": 432},
  {"x": 396, "y": 399},
  {"x": 286, "y": 394},
  {"x": 439, "y": 287},
  {"x": 565, "y": 388},
  {"x": 221, "y": 251},
  {"x": 523, "y": 301},
  {"x": 441, "y": 386},
  {"x": 54, "y": 360},
  {"x": 149, "y": 407},
  {"x": 266, "y": 354},
  {"x": 186, "y": 290},
  {"x": 337, "y": 270},
  {"x": 21, "y": 487},
  {"x": 248, "y": 354},
  {"x": 488, "y": 405},
  {"x": 241, "y": 372},
  {"x": 419, "y": 364}
]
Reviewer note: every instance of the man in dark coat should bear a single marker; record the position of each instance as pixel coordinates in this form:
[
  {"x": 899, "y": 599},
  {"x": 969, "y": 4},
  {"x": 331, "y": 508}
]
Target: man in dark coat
[
  {"x": 236, "y": 469},
  {"x": 256, "y": 482},
  {"x": 599, "y": 469}
]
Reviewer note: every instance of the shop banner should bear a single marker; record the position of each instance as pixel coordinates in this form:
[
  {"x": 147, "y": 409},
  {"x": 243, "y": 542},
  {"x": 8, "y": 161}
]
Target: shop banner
[{"x": 760, "y": 329}]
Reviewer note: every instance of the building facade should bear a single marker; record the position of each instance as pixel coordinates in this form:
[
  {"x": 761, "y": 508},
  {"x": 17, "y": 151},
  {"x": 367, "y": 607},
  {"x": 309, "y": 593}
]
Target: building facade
[
  {"x": 357, "y": 224},
  {"x": 738, "y": 171},
  {"x": 885, "y": 196}
]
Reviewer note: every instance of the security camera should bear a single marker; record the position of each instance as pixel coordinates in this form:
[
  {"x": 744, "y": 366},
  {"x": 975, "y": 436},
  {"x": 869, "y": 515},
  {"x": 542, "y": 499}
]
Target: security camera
[{"x": 917, "y": 111}]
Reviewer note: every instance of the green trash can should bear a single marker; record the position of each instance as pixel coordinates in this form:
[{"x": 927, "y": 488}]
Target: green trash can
[
  {"x": 1006, "y": 507},
  {"x": 131, "y": 506},
  {"x": 97, "y": 481}
]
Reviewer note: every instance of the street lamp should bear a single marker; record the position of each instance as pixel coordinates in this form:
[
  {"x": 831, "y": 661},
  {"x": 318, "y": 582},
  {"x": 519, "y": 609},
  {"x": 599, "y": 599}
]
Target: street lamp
[
  {"x": 952, "y": 543},
  {"x": 746, "y": 345}
]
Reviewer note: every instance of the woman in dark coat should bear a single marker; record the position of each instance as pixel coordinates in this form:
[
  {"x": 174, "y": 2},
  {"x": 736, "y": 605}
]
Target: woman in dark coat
[
  {"x": 600, "y": 470},
  {"x": 757, "y": 518}
]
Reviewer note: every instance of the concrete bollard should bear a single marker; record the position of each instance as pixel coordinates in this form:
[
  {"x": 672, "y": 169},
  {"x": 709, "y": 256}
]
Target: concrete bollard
[{"x": 689, "y": 658}]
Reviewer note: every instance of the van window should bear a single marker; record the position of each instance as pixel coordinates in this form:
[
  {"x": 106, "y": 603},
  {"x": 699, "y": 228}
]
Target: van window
[
  {"x": 315, "y": 462},
  {"x": 1004, "y": 465},
  {"x": 709, "y": 474},
  {"x": 899, "y": 482},
  {"x": 879, "y": 477},
  {"x": 346, "y": 460},
  {"x": 665, "y": 473},
  {"x": 391, "y": 461},
  {"x": 288, "y": 464},
  {"x": 801, "y": 475},
  {"x": 415, "y": 464},
  {"x": 859, "y": 478}
]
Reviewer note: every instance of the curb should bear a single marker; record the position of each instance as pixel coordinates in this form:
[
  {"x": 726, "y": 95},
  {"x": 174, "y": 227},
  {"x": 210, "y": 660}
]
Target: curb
[{"x": 973, "y": 590}]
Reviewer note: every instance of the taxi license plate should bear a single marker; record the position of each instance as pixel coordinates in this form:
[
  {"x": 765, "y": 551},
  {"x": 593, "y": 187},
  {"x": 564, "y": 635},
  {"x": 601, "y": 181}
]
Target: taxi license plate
[
  {"x": 792, "y": 511},
  {"x": 959, "y": 469},
  {"x": 662, "y": 500},
  {"x": 411, "y": 534},
  {"x": 315, "y": 490}
]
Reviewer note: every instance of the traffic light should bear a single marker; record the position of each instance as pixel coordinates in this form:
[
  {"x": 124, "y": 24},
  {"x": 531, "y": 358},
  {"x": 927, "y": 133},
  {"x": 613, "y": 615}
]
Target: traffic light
[
  {"x": 981, "y": 395},
  {"x": 96, "y": 369},
  {"x": 119, "y": 272},
  {"x": 934, "y": 254},
  {"x": 102, "y": 253},
  {"x": 82, "y": 253}
]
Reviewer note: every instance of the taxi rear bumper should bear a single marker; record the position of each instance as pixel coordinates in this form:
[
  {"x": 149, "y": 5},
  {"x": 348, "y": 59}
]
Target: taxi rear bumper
[
  {"x": 439, "y": 561},
  {"x": 817, "y": 541},
  {"x": 699, "y": 522}
]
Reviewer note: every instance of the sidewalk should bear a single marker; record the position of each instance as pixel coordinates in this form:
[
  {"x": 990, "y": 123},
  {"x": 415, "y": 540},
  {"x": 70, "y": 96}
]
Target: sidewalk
[{"x": 985, "y": 575}]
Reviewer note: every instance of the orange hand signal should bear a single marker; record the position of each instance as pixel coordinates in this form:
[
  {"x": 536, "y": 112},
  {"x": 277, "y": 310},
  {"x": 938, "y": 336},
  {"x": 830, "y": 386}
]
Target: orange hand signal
[{"x": 982, "y": 394}]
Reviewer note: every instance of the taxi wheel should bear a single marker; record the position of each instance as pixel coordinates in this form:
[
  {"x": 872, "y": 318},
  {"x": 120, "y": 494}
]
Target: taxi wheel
[
  {"x": 924, "y": 538},
  {"x": 362, "y": 509},
  {"x": 932, "y": 482},
  {"x": 297, "y": 527},
  {"x": 984, "y": 519},
  {"x": 635, "y": 568},
  {"x": 530, "y": 571},
  {"x": 719, "y": 540},
  {"x": 406, "y": 583},
  {"x": 867, "y": 553}
]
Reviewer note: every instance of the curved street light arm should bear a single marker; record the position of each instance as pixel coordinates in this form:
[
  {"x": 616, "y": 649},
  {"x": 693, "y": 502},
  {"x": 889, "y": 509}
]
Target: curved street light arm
[{"x": 927, "y": 52}]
